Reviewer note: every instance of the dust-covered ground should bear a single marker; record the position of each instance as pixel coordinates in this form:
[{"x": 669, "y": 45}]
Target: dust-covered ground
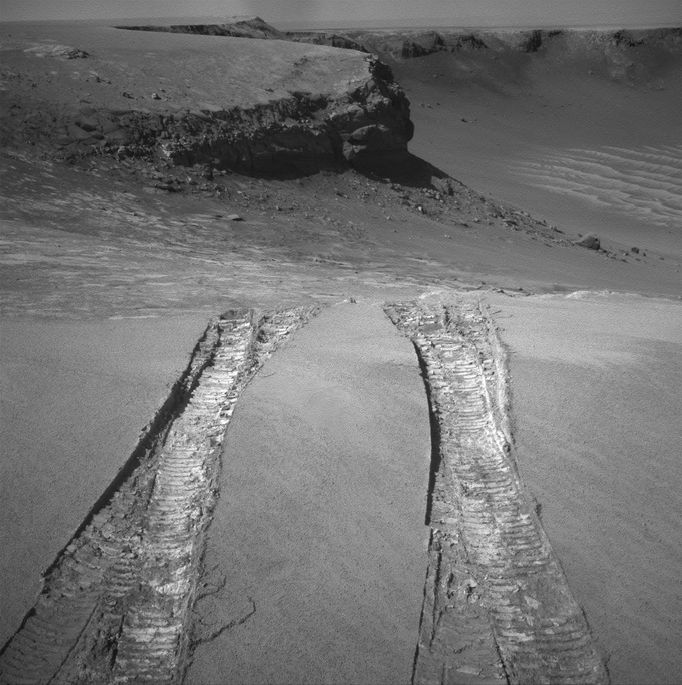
[{"x": 112, "y": 268}]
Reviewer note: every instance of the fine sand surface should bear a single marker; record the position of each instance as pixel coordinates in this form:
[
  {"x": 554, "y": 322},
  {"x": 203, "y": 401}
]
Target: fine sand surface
[
  {"x": 596, "y": 405},
  {"x": 319, "y": 530},
  {"x": 75, "y": 397}
]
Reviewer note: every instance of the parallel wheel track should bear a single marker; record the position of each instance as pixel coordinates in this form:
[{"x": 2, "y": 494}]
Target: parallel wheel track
[
  {"x": 497, "y": 607},
  {"x": 116, "y": 603}
]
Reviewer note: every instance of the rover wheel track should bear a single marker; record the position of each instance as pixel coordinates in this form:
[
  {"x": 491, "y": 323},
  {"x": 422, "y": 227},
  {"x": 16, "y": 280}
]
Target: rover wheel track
[
  {"x": 497, "y": 607},
  {"x": 116, "y": 603}
]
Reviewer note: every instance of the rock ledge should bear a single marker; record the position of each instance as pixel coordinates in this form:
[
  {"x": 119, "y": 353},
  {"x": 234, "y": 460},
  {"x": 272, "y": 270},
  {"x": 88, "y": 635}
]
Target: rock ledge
[{"x": 253, "y": 106}]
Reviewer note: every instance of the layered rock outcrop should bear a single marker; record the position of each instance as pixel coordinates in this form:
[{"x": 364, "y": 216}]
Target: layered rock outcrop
[
  {"x": 237, "y": 27},
  {"x": 409, "y": 43},
  {"x": 631, "y": 56},
  {"x": 254, "y": 106},
  {"x": 301, "y": 132}
]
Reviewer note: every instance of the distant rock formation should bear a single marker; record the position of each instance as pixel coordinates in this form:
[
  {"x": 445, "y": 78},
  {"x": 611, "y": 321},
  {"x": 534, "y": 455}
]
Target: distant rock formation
[
  {"x": 631, "y": 56},
  {"x": 625, "y": 55},
  {"x": 237, "y": 27},
  {"x": 335, "y": 40}
]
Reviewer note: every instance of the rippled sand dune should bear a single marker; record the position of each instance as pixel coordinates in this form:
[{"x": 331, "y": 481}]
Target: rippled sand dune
[
  {"x": 584, "y": 133},
  {"x": 643, "y": 180}
]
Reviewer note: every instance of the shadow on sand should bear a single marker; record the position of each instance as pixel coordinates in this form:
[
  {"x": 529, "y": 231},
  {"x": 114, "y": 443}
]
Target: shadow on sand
[{"x": 403, "y": 168}]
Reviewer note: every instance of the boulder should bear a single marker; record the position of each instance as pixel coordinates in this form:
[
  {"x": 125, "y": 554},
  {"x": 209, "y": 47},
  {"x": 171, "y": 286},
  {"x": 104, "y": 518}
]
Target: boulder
[{"x": 590, "y": 241}]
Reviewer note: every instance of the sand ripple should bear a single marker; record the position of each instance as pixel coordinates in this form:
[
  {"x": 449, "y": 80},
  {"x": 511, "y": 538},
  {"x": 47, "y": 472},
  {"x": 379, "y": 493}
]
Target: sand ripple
[{"x": 645, "y": 181}]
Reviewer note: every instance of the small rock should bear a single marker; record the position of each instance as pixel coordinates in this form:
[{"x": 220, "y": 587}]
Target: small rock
[
  {"x": 156, "y": 96},
  {"x": 469, "y": 670},
  {"x": 445, "y": 185},
  {"x": 590, "y": 241},
  {"x": 75, "y": 53},
  {"x": 634, "y": 250},
  {"x": 234, "y": 217}
]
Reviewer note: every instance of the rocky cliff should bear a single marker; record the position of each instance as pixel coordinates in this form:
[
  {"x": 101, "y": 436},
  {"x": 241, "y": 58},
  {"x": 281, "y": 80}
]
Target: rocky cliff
[
  {"x": 250, "y": 105},
  {"x": 632, "y": 56},
  {"x": 303, "y": 131},
  {"x": 237, "y": 27}
]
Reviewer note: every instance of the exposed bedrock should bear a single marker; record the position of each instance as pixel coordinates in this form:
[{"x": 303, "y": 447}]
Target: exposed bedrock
[
  {"x": 253, "y": 106},
  {"x": 238, "y": 27},
  {"x": 303, "y": 132}
]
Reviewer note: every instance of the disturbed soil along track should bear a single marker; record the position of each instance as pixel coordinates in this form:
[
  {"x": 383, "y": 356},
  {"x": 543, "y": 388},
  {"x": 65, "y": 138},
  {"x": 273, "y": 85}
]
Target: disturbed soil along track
[
  {"x": 497, "y": 606},
  {"x": 116, "y": 603}
]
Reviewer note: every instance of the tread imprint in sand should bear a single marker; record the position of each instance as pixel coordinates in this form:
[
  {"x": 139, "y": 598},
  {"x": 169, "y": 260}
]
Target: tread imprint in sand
[
  {"x": 116, "y": 603},
  {"x": 497, "y": 607}
]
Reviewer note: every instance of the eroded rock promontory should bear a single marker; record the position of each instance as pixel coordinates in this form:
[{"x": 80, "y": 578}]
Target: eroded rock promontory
[{"x": 248, "y": 105}]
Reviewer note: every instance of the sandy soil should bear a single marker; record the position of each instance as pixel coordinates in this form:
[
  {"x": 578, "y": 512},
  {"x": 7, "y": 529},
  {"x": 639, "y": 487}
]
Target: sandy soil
[
  {"x": 594, "y": 377},
  {"x": 320, "y": 522}
]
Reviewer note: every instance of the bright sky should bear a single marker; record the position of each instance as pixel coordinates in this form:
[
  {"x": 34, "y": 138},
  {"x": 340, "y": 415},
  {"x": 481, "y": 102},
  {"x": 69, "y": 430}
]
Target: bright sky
[{"x": 530, "y": 13}]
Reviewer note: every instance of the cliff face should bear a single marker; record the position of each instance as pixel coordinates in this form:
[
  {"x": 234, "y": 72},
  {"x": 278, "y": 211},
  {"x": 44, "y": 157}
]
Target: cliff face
[
  {"x": 237, "y": 27},
  {"x": 632, "y": 56},
  {"x": 304, "y": 131},
  {"x": 249, "y": 105}
]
